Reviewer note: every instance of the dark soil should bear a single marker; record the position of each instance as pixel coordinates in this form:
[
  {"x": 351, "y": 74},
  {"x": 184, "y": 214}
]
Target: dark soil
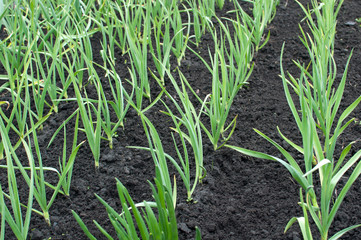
[{"x": 241, "y": 197}]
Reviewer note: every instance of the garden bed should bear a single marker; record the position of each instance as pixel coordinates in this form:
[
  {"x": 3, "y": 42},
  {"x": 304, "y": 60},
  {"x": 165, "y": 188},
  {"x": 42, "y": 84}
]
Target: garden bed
[{"x": 241, "y": 197}]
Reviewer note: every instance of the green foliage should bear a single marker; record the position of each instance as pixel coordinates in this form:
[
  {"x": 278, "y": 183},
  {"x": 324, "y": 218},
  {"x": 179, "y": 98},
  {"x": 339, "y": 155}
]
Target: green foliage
[
  {"x": 188, "y": 119},
  {"x": 318, "y": 152},
  {"x": 144, "y": 224},
  {"x": 47, "y": 58},
  {"x": 220, "y": 4},
  {"x": 13, "y": 216},
  {"x": 159, "y": 157},
  {"x": 230, "y": 68},
  {"x": 358, "y": 20},
  {"x": 263, "y": 13},
  {"x": 320, "y": 123}
]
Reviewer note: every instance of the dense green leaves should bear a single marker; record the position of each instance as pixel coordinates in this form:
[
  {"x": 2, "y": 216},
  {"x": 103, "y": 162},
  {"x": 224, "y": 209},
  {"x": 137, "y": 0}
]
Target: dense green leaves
[
  {"x": 48, "y": 60},
  {"x": 320, "y": 123},
  {"x": 135, "y": 223}
]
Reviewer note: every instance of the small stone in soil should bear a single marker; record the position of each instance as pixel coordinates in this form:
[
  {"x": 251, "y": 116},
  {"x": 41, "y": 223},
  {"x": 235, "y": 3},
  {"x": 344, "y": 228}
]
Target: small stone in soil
[
  {"x": 350, "y": 23},
  {"x": 183, "y": 227},
  {"x": 36, "y": 234}
]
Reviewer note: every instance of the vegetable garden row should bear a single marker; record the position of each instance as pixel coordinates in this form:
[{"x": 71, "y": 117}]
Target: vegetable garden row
[{"x": 50, "y": 68}]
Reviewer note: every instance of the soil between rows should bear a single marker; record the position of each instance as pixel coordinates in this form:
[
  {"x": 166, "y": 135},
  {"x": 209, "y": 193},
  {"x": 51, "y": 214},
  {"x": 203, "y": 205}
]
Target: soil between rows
[{"x": 241, "y": 197}]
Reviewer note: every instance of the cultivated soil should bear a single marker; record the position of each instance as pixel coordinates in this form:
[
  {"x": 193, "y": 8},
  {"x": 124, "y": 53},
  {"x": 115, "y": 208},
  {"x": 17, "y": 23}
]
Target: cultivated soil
[{"x": 241, "y": 197}]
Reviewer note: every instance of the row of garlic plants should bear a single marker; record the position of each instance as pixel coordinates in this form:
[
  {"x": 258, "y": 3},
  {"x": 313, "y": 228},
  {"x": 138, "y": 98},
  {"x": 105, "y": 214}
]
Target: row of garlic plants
[
  {"x": 47, "y": 59},
  {"x": 225, "y": 83},
  {"x": 320, "y": 122}
]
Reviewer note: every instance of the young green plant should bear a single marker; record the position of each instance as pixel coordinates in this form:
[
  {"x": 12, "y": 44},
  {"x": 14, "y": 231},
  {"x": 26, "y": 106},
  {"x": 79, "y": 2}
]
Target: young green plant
[
  {"x": 263, "y": 13},
  {"x": 318, "y": 152},
  {"x": 189, "y": 121},
  {"x": 161, "y": 52},
  {"x": 159, "y": 157},
  {"x": 220, "y": 4},
  {"x": 13, "y": 215},
  {"x": 320, "y": 47},
  {"x": 180, "y": 39},
  {"x": 66, "y": 164},
  {"x": 201, "y": 19},
  {"x": 138, "y": 40},
  {"x": 92, "y": 128},
  {"x": 207, "y": 9},
  {"x": 21, "y": 98},
  {"x": 36, "y": 181},
  {"x": 230, "y": 68},
  {"x": 134, "y": 224},
  {"x": 118, "y": 105}
]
